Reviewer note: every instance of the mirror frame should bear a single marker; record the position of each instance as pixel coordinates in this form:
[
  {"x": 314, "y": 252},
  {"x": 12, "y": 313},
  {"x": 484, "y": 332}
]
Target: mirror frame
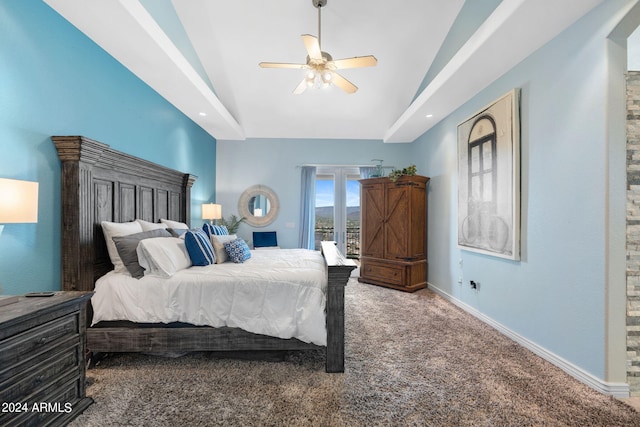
[{"x": 253, "y": 191}]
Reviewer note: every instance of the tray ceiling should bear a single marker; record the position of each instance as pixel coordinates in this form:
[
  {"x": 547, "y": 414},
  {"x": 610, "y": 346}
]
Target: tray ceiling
[{"x": 203, "y": 55}]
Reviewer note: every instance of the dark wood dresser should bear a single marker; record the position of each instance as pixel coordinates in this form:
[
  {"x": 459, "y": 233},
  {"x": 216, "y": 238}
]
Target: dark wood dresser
[
  {"x": 42, "y": 360},
  {"x": 393, "y": 232}
]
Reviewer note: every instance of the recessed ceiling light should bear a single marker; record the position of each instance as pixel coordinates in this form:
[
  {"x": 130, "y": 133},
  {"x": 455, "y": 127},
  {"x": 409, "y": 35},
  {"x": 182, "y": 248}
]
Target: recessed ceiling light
[
  {"x": 202, "y": 114},
  {"x": 428, "y": 116}
]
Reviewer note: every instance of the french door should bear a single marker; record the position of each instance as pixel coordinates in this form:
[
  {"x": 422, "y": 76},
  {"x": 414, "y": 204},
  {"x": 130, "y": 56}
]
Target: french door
[{"x": 338, "y": 208}]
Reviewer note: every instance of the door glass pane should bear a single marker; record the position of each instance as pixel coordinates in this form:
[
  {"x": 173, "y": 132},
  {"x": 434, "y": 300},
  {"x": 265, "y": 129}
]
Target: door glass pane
[
  {"x": 338, "y": 208},
  {"x": 325, "y": 208},
  {"x": 353, "y": 217}
]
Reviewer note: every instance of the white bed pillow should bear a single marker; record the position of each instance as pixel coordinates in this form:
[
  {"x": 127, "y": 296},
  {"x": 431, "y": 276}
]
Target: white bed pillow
[
  {"x": 148, "y": 226},
  {"x": 163, "y": 256},
  {"x": 218, "y": 241},
  {"x": 174, "y": 224},
  {"x": 112, "y": 229}
]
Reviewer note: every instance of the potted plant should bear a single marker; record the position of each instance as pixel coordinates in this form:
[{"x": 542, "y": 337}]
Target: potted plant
[
  {"x": 232, "y": 223},
  {"x": 397, "y": 173}
]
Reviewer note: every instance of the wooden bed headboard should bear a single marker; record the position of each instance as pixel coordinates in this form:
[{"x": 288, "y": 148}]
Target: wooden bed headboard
[{"x": 102, "y": 184}]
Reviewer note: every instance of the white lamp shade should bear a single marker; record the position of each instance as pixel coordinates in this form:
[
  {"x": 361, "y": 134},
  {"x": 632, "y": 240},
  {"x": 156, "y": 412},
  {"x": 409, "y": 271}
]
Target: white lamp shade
[
  {"x": 18, "y": 201},
  {"x": 211, "y": 211}
]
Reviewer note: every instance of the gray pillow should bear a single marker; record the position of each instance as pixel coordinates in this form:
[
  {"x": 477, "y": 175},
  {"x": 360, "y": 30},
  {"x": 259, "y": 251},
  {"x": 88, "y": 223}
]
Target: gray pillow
[
  {"x": 127, "y": 245},
  {"x": 177, "y": 232}
]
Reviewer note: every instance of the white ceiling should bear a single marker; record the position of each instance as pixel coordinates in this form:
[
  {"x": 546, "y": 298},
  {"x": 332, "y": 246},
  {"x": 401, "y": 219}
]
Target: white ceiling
[{"x": 203, "y": 55}]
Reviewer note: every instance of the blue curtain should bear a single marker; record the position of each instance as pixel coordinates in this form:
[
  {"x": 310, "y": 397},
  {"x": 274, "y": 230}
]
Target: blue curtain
[{"x": 308, "y": 208}]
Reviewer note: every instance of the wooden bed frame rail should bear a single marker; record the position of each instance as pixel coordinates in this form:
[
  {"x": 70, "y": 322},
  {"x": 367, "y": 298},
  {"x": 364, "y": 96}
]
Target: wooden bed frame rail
[{"x": 102, "y": 184}]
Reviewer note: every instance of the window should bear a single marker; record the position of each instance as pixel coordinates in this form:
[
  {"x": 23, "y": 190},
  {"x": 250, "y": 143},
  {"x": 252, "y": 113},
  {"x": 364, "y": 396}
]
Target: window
[{"x": 338, "y": 208}]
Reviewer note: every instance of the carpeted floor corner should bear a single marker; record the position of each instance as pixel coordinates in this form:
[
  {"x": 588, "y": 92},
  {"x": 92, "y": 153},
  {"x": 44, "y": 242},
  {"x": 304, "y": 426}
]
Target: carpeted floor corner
[{"x": 411, "y": 359}]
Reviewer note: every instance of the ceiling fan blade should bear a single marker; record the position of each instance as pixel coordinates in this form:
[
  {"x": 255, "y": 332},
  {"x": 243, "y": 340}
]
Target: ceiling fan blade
[
  {"x": 355, "y": 62},
  {"x": 313, "y": 47},
  {"x": 343, "y": 83},
  {"x": 282, "y": 65},
  {"x": 301, "y": 87}
]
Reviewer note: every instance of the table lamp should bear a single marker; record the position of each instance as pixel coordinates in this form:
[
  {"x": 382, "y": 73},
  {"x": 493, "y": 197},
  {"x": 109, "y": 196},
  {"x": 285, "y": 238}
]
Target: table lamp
[
  {"x": 18, "y": 204},
  {"x": 211, "y": 211}
]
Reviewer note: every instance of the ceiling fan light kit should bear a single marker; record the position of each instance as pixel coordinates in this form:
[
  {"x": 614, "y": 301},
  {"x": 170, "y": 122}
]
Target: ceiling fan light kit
[{"x": 321, "y": 67}]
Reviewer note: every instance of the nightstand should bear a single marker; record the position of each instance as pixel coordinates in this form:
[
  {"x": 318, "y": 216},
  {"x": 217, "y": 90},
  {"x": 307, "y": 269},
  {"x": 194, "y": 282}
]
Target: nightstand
[{"x": 42, "y": 359}]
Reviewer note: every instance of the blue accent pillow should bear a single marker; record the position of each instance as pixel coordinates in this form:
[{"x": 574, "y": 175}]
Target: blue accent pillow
[
  {"x": 238, "y": 250},
  {"x": 215, "y": 230},
  {"x": 199, "y": 247}
]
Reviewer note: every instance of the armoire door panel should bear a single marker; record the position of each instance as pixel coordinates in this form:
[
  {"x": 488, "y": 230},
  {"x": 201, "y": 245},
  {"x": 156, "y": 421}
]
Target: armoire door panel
[
  {"x": 418, "y": 238},
  {"x": 372, "y": 214},
  {"x": 397, "y": 224}
]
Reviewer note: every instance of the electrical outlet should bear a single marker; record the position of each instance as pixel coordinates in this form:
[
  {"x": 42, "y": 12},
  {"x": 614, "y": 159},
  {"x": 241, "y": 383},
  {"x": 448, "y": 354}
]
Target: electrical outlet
[
  {"x": 460, "y": 280},
  {"x": 474, "y": 285}
]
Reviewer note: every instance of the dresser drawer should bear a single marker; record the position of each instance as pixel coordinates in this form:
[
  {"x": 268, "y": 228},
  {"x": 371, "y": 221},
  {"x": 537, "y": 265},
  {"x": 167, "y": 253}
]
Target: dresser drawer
[
  {"x": 32, "y": 375},
  {"x": 388, "y": 273},
  {"x": 59, "y": 400},
  {"x": 37, "y": 340}
]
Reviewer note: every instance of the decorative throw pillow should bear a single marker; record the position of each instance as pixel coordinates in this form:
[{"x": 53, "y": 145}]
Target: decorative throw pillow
[
  {"x": 238, "y": 250},
  {"x": 112, "y": 229},
  {"x": 127, "y": 246},
  {"x": 199, "y": 247},
  {"x": 174, "y": 224},
  {"x": 218, "y": 246},
  {"x": 146, "y": 225},
  {"x": 215, "y": 230},
  {"x": 177, "y": 232},
  {"x": 163, "y": 256}
]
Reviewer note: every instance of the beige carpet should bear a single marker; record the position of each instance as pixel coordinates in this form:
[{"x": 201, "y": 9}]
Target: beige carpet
[{"x": 411, "y": 359}]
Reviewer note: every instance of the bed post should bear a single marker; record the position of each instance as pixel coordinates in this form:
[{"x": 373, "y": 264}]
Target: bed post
[{"x": 339, "y": 270}]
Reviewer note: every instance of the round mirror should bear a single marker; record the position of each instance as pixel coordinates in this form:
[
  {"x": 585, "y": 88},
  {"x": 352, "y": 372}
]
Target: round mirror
[{"x": 259, "y": 205}]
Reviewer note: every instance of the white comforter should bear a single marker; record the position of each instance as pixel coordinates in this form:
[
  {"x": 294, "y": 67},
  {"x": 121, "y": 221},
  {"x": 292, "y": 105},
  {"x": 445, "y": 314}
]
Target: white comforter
[{"x": 279, "y": 292}]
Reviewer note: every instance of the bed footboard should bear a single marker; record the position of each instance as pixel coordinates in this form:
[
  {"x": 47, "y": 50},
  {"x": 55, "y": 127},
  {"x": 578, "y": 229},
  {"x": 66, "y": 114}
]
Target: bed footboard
[{"x": 339, "y": 270}]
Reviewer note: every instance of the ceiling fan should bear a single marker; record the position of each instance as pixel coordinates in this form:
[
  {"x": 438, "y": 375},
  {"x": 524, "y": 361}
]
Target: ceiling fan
[{"x": 320, "y": 65}]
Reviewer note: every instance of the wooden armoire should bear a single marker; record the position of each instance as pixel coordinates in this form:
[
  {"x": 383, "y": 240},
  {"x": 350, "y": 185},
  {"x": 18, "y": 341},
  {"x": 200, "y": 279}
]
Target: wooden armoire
[{"x": 393, "y": 230}]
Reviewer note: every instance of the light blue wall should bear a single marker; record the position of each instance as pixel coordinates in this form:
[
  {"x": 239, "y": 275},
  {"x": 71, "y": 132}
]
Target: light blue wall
[
  {"x": 556, "y": 295},
  {"x": 276, "y": 164},
  {"x": 55, "y": 81}
]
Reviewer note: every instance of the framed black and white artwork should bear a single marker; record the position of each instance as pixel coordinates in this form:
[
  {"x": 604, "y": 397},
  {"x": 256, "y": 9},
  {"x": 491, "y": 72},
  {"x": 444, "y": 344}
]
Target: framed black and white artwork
[{"x": 489, "y": 179}]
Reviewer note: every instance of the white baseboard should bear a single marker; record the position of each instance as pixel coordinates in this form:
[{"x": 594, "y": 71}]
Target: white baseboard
[{"x": 620, "y": 390}]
